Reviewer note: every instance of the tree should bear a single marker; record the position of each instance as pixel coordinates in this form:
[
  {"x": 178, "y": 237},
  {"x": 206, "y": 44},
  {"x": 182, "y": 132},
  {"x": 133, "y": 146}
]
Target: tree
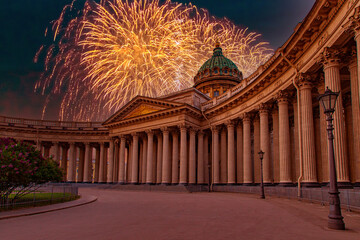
[{"x": 23, "y": 169}]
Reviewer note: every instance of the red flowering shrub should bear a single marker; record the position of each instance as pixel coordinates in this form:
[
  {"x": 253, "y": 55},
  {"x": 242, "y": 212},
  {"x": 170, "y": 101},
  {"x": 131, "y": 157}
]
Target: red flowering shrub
[{"x": 22, "y": 168}]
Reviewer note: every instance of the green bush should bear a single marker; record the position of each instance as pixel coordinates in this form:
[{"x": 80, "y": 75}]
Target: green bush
[{"x": 23, "y": 168}]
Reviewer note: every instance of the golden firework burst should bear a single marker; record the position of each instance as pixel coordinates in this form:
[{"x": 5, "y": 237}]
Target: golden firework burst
[{"x": 107, "y": 53}]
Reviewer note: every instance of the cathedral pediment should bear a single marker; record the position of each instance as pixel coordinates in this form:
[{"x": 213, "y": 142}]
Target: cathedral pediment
[
  {"x": 142, "y": 110},
  {"x": 140, "y": 106}
]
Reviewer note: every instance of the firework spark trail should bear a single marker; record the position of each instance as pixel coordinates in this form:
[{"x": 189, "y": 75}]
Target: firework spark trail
[{"x": 107, "y": 53}]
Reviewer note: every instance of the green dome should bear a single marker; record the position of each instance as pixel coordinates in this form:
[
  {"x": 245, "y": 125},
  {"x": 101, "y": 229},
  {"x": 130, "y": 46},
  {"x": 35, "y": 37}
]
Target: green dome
[
  {"x": 218, "y": 67},
  {"x": 218, "y": 60}
]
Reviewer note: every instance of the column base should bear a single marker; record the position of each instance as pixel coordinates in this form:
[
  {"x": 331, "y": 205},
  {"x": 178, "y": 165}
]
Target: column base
[
  {"x": 286, "y": 184},
  {"x": 249, "y": 184},
  {"x": 311, "y": 185},
  {"x": 121, "y": 183},
  {"x": 269, "y": 184},
  {"x": 341, "y": 185},
  {"x": 165, "y": 184},
  {"x": 345, "y": 185},
  {"x": 182, "y": 184}
]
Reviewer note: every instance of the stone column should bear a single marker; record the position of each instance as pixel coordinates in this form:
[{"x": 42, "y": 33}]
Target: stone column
[
  {"x": 307, "y": 128},
  {"x": 350, "y": 136},
  {"x": 175, "y": 158},
  {"x": 192, "y": 157},
  {"x": 231, "y": 153},
  {"x": 64, "y": 160},
  {"x": 275, "y": 147},
  {"x": 331, "y": 61},
  {"x": 72, "y": 163},
  {"x": 216, "y": 156},
  {"x": 166, "y": 167},
  {"x": 296, "y": 159},
  {"x": 122, "y": 160},
  {"x": 200, "y": 158},
  {"x": 144, "y": 160},
  {"x": 110, "y": 166},
  {"x": 239, "y": 154},
  {"x": 265, "y": 142},
  {"x": 102, "y": 163},
  {"x": 135, "y": 159},
  {"x": 56, "y": 152},
  {"x": 97, "y": 164},
  {"x": 159, "y": 158},
  {"x": 284, "y": 138},
  {"x": 248, "y": 167},
  {"x": 87, "y": 163},
  {"x": 80, "y": 169},
  {"x": 207, "y": 161},
  {"x": 183, "y": 155},
  {"x": 115, "y": 169},
  {"x": 255, "y": 156},
  {"x": 355, "y": 109},
  {"x": 150, "y": 148},
  {"x": 223, "y": 157}
]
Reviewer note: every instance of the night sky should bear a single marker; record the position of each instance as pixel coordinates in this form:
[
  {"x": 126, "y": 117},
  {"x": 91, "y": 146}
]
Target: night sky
[{"x": 23, "y": 22}]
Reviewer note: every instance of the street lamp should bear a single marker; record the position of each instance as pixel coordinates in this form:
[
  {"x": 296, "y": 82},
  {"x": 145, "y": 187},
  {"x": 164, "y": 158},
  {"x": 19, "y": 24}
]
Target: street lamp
[
  {"x": 335, "y": 221},
  {"x": 261, "y": 155}
]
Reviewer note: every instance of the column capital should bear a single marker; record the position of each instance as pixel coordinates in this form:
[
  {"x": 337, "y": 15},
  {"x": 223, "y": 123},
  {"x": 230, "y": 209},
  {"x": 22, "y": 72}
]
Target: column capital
[
  {"x": 135, "y": 135},
  {"x": 304, "y": 81},
  {"x": 149, "y": 132},
  {"x": 87, "y": 143},
  {"x": 282, "y": 96},
  {"x": 122, "y": 137},
  {"x": 353, "y": 25},
  {"x": 215, "y": 129},
  {"x": 230, "y": 124},
  {"x": 330, "y": 57},
  {"x": 201, "y": 132},
  {"x": 183, "y": 127},
  {"x": 165, "y": 130},
  {"x": 246, "y": 117},
  {"x": 264, "y": 108},
  {"x": 193, "y": 130}
]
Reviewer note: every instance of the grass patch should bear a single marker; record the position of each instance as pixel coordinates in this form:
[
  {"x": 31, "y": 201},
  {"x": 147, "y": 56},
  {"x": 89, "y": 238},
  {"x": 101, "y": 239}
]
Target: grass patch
[{"x": 38, "y": 199}]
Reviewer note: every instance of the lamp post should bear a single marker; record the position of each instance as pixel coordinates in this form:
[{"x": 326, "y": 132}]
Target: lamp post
[
  {"x": 335, "y": 220},
  {"x": 261, "y": 155}
]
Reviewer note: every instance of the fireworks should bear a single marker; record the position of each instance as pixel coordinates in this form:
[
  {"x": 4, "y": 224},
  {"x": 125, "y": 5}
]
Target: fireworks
[{"x": 108, "y": 52}]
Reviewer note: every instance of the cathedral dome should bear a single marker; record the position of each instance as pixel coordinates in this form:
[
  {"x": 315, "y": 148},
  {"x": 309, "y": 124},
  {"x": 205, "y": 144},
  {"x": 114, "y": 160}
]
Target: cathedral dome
[{"x": 218, "y": 70}]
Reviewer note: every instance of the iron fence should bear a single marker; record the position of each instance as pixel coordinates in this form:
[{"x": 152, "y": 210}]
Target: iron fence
[{"x": 44, "y": 195}]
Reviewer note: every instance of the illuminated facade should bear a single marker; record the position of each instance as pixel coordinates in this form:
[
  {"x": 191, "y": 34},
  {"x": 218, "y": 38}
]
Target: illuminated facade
[{"x": 196, "y": 137}]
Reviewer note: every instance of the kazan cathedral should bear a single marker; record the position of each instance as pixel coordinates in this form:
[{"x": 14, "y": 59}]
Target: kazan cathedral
[{"x": 211, "y": 133}]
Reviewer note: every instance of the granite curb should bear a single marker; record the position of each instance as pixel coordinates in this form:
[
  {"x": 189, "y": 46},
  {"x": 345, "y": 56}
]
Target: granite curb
[{"x": 49, "y": 208}]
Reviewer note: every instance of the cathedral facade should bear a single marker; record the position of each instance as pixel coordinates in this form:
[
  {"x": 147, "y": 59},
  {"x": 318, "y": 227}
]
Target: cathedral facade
[{"x": 212, "y": 133}]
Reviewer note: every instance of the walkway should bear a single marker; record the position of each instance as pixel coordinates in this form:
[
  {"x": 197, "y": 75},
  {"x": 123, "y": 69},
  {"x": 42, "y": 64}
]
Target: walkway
[{"x": 159, "y": 215}]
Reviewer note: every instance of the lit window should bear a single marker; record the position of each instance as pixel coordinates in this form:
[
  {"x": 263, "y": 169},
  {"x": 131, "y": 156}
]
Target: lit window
[{"x": 216, "y": 93}]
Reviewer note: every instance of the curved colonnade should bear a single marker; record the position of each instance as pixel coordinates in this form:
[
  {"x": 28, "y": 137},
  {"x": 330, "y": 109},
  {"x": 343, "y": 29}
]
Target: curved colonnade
[{"x": 188, "y": 138}]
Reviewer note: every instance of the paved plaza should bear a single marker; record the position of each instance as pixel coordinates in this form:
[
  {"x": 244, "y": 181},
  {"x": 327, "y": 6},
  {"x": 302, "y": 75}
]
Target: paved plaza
[{"x": 161, "y": 215}]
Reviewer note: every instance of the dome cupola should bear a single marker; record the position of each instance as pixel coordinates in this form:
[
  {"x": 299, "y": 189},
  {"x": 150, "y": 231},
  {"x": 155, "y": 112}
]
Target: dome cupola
[{"x": 217, "y": 74}]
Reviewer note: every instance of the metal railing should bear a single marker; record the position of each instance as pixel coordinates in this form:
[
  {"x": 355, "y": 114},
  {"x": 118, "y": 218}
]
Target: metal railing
[
  {"x": 349, "y": 198},
  {"x": 55, "y": 194},
  {"x": 49, "y": 124}
]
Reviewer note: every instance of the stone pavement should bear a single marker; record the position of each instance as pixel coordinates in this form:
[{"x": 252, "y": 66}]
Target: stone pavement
[{"x": 161, "y": 215}]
